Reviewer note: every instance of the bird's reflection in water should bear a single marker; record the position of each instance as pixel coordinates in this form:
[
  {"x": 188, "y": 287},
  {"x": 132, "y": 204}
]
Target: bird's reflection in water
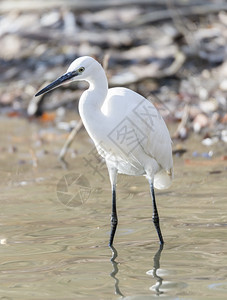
[
  {"x": 153, "y": 272},
  {"x": 115, "y": 271}
]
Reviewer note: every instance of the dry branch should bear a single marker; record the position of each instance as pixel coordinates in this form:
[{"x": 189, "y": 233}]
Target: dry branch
[{"x": 166, "y": 14}]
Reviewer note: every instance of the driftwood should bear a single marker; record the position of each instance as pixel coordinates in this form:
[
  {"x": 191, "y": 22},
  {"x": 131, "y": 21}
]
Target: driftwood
[
  {"x": 134, "y": 75},
  {"x": 27, "y": 5},
  {"x": 68, "y": 143},
  {"x": 166, "y": 14},
  {"x": 181, "y": 131}
]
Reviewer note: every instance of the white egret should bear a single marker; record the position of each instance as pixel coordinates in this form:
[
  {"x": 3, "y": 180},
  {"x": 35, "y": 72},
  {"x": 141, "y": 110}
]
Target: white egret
[{"x": 128, "y": 131}]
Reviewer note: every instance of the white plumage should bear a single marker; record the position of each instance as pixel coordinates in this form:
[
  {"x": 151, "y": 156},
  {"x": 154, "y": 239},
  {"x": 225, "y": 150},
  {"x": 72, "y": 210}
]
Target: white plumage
[{"x": 128, "y": 131}]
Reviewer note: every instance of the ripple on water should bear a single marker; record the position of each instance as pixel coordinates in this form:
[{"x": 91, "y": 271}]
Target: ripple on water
[{"x": 220, "y": 287}]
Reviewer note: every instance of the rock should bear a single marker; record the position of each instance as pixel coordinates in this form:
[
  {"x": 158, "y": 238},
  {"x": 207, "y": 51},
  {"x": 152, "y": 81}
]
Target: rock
[
  {"x": 210, "y": 141},
  {"x": 200, "y": 121},
  {"x": 208, "y": 106},
  {"x": 223, "y": 85}
]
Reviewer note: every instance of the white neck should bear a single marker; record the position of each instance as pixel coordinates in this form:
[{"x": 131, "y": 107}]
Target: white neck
[{"x": 92, "y": 99}]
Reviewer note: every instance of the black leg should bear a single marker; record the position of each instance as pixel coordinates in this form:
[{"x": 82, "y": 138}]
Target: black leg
[
  {"x": 114, "y": 219},
  {"x": 155, "y": 216}
]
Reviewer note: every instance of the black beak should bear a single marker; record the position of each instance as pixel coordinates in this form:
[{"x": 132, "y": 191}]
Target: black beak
[{"x": 57, "y": 82}]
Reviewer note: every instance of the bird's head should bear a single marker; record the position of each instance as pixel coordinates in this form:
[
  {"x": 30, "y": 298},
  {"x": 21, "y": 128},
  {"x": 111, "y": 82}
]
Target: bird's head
[{"x": 80, "y": 69}]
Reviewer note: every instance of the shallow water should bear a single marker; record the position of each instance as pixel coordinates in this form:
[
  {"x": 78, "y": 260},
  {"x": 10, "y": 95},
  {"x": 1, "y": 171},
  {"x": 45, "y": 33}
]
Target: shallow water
[{"x": 54, "y": 236}]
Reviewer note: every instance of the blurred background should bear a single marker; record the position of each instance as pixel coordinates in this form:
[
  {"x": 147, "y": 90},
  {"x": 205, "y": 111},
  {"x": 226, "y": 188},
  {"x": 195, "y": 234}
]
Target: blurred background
[{"x": 171, "y": 51}]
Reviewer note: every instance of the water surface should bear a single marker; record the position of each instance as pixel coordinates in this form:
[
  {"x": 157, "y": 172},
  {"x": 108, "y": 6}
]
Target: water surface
[{"x": 53, "y": 238}]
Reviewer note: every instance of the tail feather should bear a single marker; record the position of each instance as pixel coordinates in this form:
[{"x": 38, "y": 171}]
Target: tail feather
[{"x": 163, "y": 179}]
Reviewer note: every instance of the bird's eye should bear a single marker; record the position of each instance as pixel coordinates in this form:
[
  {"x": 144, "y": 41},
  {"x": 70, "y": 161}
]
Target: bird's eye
[{"x": 81, "y": 69}]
